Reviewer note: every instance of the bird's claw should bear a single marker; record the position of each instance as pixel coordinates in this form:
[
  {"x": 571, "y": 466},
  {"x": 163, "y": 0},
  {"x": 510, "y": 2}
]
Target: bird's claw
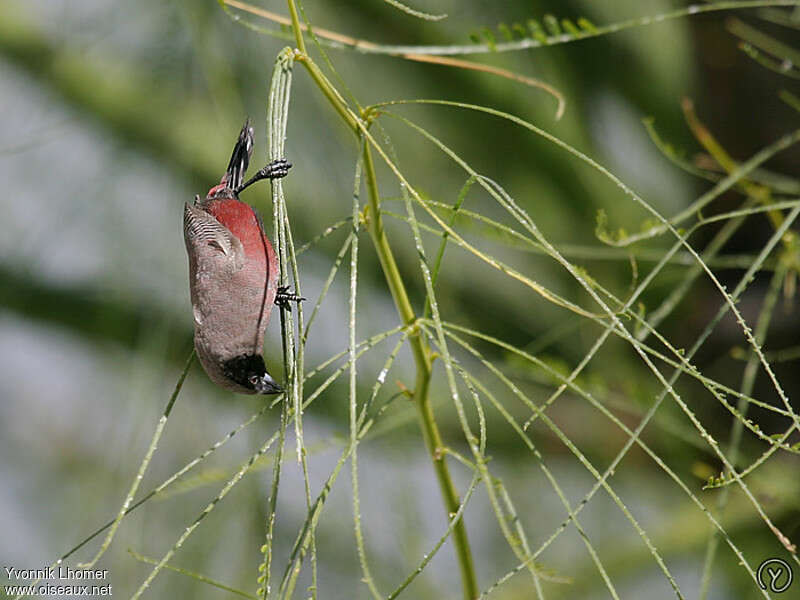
[
  {"x": 275, "y": 170},
  {"x": 284, "y": 297}
]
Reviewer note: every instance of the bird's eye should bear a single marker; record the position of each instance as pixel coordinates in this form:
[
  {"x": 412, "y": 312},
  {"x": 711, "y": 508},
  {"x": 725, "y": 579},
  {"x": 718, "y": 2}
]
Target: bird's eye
[{"x": 253, "y": 379}]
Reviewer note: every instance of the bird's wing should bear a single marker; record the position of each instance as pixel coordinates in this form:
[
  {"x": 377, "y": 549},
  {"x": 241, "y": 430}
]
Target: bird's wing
[{"x": 203, "y": 231}]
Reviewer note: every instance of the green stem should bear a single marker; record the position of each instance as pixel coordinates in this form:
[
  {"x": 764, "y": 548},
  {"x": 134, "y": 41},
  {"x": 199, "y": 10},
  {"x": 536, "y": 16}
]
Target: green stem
[
  {"x": 298, "y": 33},
  {"x": 419, "y": 347},
  {"x": 422, "y": 359},
  {"x": 748, "y": 382}
]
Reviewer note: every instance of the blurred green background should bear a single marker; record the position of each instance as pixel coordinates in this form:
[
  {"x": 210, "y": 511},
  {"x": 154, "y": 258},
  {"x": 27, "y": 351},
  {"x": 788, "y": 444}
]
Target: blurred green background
[{"x": 115, "y": 113}]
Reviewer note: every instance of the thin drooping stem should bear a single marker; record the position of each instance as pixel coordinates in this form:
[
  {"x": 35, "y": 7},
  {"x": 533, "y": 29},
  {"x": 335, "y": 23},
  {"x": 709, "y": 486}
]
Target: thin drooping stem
[
  {"x": 748, "y": 382},
  {"x": 276, "y": 117},
  {"x": 422, "y": 360},
  {"x": 162, "y": 422},
  {"x": 355, "y": 422},
  {"x": 419, "y": 347}
]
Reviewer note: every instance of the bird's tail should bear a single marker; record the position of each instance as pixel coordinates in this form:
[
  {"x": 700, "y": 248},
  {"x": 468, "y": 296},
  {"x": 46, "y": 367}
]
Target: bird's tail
[{"x": 240, "y": 157}]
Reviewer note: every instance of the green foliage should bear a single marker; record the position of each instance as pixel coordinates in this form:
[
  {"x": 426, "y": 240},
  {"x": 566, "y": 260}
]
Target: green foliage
[{"x": 552, "y": 29}]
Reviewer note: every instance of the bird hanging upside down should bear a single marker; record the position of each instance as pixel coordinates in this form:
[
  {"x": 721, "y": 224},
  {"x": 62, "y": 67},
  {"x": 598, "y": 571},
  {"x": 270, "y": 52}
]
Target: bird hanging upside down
[{"x": 233, "y": 276}]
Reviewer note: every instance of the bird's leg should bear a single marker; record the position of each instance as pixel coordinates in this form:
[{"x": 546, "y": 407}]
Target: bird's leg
[
  {"x": 274, "y": 170},
  {"x": 284, "y": 297}
]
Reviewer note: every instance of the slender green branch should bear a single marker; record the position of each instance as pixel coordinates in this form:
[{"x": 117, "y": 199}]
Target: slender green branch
[
  {"x": 335, "y": 39},
  {"x": 162, "y": 422},
  {"x": 298, "y": 33},
  {"x": 748, "y": 383},
  {"x": 421, "y": 352},
  {"x": 419, "y": 347},
  {"x": 198, "y": 576}
]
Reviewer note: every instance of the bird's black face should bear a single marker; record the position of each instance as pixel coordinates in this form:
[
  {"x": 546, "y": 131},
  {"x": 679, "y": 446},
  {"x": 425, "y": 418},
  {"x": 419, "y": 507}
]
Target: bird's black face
[{"x": 249, "y": 371}]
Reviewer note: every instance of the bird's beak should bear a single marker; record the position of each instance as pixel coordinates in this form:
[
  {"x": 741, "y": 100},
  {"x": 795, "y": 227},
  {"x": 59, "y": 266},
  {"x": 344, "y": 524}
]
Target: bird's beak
[{"x": 267, "y": 385}]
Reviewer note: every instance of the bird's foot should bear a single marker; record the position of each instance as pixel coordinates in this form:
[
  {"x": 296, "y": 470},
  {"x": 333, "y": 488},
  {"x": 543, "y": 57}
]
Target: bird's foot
[
  {"x": 274, "y": 170},
  {"x": 284, "y": 297}
]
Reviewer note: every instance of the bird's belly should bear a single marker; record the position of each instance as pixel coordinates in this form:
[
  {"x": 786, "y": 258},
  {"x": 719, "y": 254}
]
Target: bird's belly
[{"x": 231, "y": 313}]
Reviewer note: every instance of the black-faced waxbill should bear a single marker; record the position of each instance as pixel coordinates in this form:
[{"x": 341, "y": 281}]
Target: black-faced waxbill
[{"x": 233, "y": 276}]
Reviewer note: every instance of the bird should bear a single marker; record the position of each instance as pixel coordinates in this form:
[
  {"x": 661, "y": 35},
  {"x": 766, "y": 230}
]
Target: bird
[{"x": 233, "y": 276}]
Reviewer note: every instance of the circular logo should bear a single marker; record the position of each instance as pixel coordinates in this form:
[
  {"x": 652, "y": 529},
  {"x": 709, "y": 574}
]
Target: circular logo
[{"x": 775, "y": 574}]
